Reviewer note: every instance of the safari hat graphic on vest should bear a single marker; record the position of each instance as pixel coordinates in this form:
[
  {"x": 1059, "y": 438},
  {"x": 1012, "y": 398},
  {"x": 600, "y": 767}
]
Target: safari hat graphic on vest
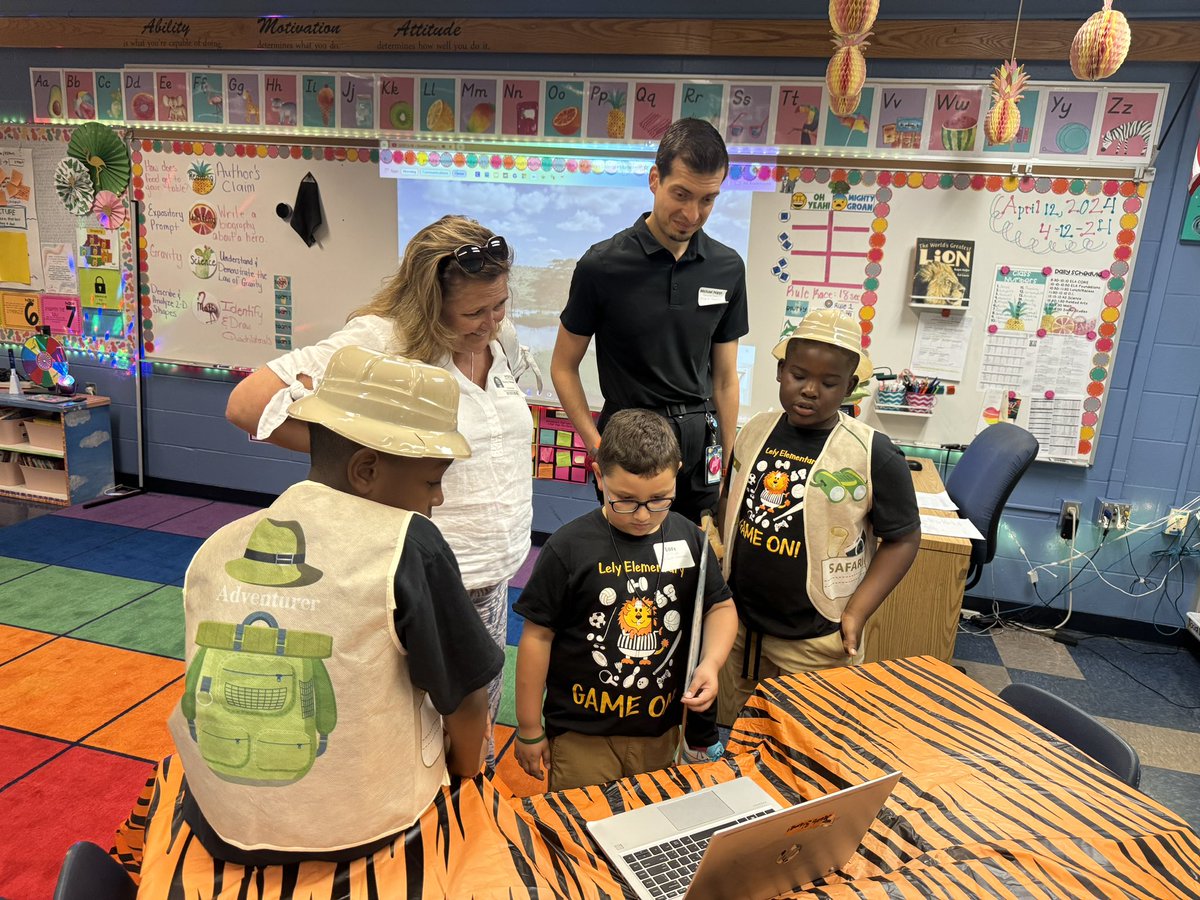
[
  {"x": 827, "y": 326},
  {"x": 258, "y": 700},
  {"x": 388, "y": 403},
  {"x": 274, "y": 556}
]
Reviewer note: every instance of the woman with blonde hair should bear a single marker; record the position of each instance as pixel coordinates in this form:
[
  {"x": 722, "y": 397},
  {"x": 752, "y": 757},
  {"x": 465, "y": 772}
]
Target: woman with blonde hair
[{"x": 444, "y": 306}]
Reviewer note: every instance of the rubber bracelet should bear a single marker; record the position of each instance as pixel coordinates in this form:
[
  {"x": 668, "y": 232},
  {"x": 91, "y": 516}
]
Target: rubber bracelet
[{"x": 537, "y": 740}]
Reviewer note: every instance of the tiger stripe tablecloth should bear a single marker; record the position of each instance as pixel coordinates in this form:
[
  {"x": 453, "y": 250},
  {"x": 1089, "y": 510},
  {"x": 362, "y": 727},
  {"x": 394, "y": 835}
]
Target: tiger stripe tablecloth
[{"x": 989, "y": 805}]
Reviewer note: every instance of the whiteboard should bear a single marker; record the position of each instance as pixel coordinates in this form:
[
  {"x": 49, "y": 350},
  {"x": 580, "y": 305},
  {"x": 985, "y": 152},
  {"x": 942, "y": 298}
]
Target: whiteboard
[
  {"x": 229, "y": 283},
  {"x": 1051, "y": 266}
]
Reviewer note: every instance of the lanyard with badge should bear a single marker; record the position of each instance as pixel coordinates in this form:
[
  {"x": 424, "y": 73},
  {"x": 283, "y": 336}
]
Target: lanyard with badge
[{"x": 713, "y": 457}]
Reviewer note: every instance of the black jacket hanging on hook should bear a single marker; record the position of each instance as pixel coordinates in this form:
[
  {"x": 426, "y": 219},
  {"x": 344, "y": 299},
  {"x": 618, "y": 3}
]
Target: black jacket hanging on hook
[{"x": 306, "y": 214}]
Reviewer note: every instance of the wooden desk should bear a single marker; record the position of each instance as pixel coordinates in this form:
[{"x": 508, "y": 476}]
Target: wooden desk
[
  {"x": 989, "y": 805},
  {"x": 920, "y": 617}
]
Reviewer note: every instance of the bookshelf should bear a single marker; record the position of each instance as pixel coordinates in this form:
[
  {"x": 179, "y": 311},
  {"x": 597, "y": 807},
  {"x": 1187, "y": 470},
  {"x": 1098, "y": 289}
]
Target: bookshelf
[{"x": 58, "y": 453}]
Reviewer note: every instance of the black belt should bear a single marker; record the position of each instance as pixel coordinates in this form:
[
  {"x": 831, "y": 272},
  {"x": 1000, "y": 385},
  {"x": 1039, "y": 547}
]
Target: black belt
[{"x": 676, "y": 410}]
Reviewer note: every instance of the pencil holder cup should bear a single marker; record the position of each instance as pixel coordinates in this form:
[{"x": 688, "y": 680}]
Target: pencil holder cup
[
  {"x": 920, "y": 403},
  {"x": 890, "y": 396}
]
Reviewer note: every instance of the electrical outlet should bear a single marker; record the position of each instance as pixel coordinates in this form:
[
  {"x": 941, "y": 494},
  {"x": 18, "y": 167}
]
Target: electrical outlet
[
  {"x": 1068, "y": 519},
  {"x": 1113, "y": 514},
  {"x": 1177, "y": 522}
]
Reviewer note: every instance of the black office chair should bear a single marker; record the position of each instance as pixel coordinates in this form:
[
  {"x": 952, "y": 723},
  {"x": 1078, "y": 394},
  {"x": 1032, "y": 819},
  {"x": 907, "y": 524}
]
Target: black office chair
[
  {"x": 982, "y": 481},
  {"x": 88, "y": 873},
  {"x": 1077, "y": 728}
]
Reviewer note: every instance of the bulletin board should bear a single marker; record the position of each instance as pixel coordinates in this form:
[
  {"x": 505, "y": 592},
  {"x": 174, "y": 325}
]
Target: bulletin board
[
  {"x": 226, "y": 281},
  {"x": 73, "y": 274},
  {"x": 1029, "y": 335}
]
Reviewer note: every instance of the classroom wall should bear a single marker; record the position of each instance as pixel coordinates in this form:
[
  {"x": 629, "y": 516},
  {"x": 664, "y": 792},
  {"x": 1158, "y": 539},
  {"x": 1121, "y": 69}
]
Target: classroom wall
[{"x": 1147, "y": 449}]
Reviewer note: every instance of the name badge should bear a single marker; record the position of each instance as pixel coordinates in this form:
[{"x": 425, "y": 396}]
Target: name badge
[
  {"x": 674, "y": 555},
  {"x": 711, "y": 297},
  {"x": 507, "y": 384}
]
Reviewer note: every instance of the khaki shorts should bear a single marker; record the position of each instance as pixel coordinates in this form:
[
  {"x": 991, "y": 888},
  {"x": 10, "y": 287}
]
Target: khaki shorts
[
  {"x": 779, "y": 657},
  {"x": 577, "y": 760}
]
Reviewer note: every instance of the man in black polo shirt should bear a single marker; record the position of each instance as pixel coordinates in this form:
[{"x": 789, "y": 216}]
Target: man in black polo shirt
[{"x": 667, "y": 304}]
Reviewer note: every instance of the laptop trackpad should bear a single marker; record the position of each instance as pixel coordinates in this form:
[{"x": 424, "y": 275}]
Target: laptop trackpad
[{"x": 695, "y": 810}]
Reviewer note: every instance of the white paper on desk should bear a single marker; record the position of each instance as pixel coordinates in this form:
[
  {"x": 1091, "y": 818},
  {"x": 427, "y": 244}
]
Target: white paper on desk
[
  {"x": 940, "y": 349},
  {"x": 940, "y": 500},
  {"x": 945, "y": 526}
]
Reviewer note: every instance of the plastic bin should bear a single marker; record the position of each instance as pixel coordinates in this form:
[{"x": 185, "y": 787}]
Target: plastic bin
[{"x": 45, "y": 434}]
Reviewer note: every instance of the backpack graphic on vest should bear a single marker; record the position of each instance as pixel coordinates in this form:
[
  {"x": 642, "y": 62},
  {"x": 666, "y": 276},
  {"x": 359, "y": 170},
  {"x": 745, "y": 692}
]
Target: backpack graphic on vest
[{"x": 258, "y": 700}]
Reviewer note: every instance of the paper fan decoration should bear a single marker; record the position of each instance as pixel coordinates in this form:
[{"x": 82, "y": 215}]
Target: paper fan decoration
[
  {"x": 109, "y": 209},
  {"x": 44, "y": 362},
  {"x": 104, "y": 153},
  {"x": 73, "y": 182}
]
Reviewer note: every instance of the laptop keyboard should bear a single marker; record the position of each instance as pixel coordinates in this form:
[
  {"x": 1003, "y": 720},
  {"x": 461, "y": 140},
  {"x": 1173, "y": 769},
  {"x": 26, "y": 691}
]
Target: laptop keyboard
[{"x": 666, "y": 869}]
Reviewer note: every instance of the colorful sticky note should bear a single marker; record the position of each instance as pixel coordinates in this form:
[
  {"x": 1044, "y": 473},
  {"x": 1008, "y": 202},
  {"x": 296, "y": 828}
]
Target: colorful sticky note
[
  {"x": 546, "y": 454},
  {"x": 563, "y": 438},
  {"x": 545, "y": 436},
  {"x": 579, "y": 475},
  {"x": 14, "y": 257},
  {"x": 562, "y": 458}
]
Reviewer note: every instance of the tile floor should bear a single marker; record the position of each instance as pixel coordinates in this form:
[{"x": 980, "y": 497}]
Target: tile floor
[{"x": 91, "y": 647}]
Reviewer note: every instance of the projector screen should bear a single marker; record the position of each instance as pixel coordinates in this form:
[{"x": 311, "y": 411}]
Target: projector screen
[{"x": 549, "y": 227}]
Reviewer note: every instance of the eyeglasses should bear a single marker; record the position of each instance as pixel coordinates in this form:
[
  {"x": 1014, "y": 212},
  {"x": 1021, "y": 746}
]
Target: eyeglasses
[
  {"x": 629, "y": 507},
  {"x": 471, "y": 258}
]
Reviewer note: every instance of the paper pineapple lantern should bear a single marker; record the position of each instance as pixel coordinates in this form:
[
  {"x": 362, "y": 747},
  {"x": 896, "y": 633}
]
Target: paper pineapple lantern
[
  {"x": 852, "y": 16},
  {"x": 1100, "y": 45},
  {"x": 844, "y": 106},
  {"x": 847, "y": 70},
  {"x": 1004, "y": 118}
]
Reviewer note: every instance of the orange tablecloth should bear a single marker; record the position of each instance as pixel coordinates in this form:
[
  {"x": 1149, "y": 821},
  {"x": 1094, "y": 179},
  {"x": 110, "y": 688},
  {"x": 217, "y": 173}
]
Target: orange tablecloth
[{"x": 989, "y": 806}]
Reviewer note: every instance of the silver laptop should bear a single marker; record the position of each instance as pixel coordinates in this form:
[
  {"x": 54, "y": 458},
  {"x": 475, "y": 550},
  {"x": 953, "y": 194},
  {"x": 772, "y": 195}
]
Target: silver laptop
[{"x": 733, "y": 841}]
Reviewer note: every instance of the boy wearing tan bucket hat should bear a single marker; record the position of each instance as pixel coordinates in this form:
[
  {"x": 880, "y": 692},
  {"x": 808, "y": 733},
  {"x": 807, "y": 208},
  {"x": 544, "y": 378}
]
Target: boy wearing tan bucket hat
[
  {"x": 337, "y": 671},
  {"x": 810, "y": 492}
]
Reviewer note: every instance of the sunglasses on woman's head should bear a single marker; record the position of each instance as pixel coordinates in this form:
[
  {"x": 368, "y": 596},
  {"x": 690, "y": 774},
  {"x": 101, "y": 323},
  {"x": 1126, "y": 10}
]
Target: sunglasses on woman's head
[{"x": 471, "y": 258}]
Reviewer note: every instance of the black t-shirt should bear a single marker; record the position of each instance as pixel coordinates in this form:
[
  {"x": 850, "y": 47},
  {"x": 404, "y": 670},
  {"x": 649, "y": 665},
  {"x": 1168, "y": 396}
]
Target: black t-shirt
[
  {"x": 449, "y": 652},
  {"x": 621, "y": 627},
  {"x": 769, "y": 573},
  {"x": 655, "y": 318}
]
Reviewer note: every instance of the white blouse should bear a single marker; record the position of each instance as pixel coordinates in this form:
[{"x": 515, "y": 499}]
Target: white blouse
[{"x": 488, "y": 511}]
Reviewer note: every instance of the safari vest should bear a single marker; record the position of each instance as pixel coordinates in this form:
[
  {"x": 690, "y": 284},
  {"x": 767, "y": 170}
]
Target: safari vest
[
  {"x": 837, "y": 499},
  {"x": 299, "y": 728}
]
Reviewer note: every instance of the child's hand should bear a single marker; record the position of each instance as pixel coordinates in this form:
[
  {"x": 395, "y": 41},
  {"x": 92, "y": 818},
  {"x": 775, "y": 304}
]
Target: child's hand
[
  {"x": 533, "y": 757},
  {"x": 703, "y": 690},
  {"x": 852, "y": 627}
]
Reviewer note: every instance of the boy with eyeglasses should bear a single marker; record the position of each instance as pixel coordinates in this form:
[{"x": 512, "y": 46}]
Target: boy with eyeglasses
[{"x": 608, "y": 619}]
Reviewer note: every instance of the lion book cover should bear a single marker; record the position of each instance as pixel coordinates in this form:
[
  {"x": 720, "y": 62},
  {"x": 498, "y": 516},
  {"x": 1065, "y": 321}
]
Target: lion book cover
[{"x": 942, "y": 273}]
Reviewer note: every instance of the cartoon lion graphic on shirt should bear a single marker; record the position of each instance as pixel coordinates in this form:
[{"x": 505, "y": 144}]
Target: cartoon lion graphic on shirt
[
  {"x": 639, "y": 637},
  {"x": 942, "y": 287}
]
